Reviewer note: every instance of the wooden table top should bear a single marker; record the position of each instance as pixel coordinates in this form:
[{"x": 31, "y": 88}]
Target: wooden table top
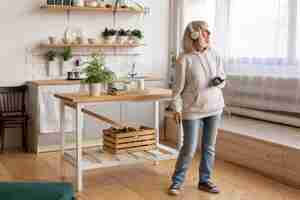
[{"x": 149, "y": 94}]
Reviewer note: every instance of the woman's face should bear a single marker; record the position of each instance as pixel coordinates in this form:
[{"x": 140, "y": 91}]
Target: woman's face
[
  {"x": 206, "y": 35},
  {"x": 203, "y": 41}
]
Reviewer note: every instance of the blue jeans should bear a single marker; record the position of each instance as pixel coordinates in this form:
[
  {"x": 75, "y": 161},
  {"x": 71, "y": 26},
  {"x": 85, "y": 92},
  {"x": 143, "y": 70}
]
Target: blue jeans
[{"x": 190, "y": 142}]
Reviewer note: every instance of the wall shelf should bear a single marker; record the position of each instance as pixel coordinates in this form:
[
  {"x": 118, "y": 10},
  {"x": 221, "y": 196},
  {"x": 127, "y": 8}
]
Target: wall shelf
[
  {"x": 100, "y": 45},
  {"x": 58, "y": 8}
]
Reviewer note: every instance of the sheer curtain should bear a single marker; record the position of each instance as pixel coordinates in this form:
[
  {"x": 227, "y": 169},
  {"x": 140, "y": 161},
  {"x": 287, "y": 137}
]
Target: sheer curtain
[
  {"x": 261, "y": 38},
  {"x": 260, "y": 46},
  {"x": 261, "y": 53}
]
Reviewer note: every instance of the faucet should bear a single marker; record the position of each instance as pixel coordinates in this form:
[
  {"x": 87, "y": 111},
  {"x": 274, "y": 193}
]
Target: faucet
[{"x": 132, "y": 74}]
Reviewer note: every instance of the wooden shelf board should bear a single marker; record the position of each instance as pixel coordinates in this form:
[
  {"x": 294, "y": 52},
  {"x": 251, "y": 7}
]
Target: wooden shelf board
[
  {"x": 97, "y": 9},
  {"x": 92, "y": 45}
]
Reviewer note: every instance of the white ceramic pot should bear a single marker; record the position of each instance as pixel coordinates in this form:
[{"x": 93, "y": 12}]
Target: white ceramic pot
[
  {"x": 101, "y": 4},
  {"x": 95, "y": 89},
  {"x": 135, "y": 40},
  {"x": 109, "y": 40},
  {"x": 122, "y": 39},
  {"x": 79, "y": 3},
  {"x": 92, "y": 4},
  {"x": 53, "y": 68},
  {"x": 52, "y": 40}
]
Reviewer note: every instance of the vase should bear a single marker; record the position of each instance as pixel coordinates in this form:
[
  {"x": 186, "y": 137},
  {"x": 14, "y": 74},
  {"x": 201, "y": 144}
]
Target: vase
[
  {"x": 53, "y": 68},
  {"x": 95, "y": 89}
]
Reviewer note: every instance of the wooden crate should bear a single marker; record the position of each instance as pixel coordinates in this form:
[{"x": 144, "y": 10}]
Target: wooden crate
[{"x": 116, "y": 142}]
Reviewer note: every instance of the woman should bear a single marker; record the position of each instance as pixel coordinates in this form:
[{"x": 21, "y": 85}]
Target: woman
[{"x": 199, "y": 79}]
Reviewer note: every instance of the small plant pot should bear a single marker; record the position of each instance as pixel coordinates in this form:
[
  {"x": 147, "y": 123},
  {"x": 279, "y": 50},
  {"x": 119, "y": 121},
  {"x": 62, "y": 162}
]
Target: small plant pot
[
  {"x": 92, "y": 4},
  {"x": 66, "y": 41},
  {"x": 91, "y": 41},
  {"x": 80, "y": 40},
  {"x": 109, "y": 39},
  {"x": 95, "y": 89},
  {"x": 52, "y": 68},
  {"x": 78, "y": 3},
  {"x": 101, "y": 4},
  {"x": 52, "y": 40},
  {"x": 135, "y": 40},
  {"x": 122, "y": 39}
]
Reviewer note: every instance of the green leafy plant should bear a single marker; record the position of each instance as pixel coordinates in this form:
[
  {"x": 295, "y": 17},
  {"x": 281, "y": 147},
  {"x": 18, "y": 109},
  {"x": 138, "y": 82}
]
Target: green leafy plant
[
  {"x": 137, "y": 33},
  {"x": 96, "y": 72},
  {"x": 109, "y": 32},
  {"x": 66, "y": 54},
  {"x": 122, "y": 32},
  {"x": 50, "y": 55}
]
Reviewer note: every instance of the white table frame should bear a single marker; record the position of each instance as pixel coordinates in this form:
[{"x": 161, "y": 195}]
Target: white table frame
[{"x": 77, "y": 159}]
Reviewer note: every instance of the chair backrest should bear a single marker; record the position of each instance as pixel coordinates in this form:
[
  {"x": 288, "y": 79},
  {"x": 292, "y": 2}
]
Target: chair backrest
[{"x": 12, "y": 100}]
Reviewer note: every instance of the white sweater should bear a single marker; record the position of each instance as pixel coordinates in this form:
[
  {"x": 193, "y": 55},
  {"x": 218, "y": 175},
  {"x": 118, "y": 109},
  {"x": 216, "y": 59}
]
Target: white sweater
[{"x": 191, "y": 92}]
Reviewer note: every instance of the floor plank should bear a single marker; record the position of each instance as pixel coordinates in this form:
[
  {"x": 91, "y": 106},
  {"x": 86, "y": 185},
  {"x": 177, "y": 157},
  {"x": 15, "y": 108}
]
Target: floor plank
[{"x": 145, "y": 181}]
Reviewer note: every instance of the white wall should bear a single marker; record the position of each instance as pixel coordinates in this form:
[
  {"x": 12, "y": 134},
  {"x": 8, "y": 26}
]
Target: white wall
[{"x": 24, "y": 25}]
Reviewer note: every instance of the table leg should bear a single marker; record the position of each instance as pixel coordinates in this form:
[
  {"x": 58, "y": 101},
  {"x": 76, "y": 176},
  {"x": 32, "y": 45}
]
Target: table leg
[
  {"x": 156, "y": 124},
  {"x": 79, "y": 124},
  {"x": 62, "y": 138}
]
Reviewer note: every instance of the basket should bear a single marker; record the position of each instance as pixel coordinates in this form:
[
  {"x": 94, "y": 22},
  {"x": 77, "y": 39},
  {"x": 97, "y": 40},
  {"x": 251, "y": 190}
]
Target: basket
[{"x": 129, "y": 140}]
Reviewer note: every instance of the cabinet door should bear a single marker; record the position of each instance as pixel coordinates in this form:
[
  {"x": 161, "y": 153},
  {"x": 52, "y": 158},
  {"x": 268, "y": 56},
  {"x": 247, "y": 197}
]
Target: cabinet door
[
  {"x": 49, "y": 116},
  {"x": 49, "y": 108}
]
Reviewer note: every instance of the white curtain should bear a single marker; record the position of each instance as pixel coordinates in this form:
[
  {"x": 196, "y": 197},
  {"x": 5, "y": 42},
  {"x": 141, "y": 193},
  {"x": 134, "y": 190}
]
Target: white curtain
[
  {"x": 261, "y": 54},
  {"x": 260, "y": 46}
]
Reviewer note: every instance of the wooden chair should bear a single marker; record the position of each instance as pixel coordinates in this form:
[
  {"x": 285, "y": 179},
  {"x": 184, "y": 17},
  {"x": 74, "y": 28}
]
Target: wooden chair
[{"x": 13, "y": 113}]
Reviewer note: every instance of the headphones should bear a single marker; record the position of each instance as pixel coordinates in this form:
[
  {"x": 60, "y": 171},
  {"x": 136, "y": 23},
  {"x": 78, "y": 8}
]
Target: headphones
[{"x": 194, "y": 34}]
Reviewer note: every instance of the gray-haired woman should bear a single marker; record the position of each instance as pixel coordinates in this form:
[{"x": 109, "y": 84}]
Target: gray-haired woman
[{"x": 199, "y": 79}]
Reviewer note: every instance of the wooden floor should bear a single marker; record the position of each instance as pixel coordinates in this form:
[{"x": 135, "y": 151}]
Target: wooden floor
[{"x": 146, "y": 181}]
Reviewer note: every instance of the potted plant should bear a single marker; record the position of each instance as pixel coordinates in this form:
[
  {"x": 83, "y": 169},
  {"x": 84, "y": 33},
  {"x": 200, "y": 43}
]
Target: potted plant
[
  {"x": 109, "y": 35},
  {"x": 65, "y": 64},
  {"x": 135, "y": 36},
  {"x": 96, "y": 74},
  {"x": 122, "y": 36},
  {"x": 52, "y": 65}
]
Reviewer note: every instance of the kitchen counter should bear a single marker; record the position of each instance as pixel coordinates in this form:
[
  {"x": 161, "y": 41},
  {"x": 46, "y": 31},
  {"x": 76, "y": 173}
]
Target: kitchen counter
[{"x": 74, "y": 82}]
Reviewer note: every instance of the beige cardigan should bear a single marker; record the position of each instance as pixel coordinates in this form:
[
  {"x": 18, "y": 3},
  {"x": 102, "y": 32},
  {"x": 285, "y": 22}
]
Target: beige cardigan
[{"x": 191, "y": 92}]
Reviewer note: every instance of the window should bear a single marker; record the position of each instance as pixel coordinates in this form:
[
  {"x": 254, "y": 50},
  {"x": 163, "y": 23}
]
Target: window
[
  {"x": 262, "y": 37},
  {"x": 199, "y": 10},
  {"x": 254, "y": 36},
  {"x": 259, "y": 29}
]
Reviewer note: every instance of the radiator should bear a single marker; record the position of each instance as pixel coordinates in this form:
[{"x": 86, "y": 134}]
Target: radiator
[
  {"x": 263, "y": 93},
  {"x": 265, "y": 115}
]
